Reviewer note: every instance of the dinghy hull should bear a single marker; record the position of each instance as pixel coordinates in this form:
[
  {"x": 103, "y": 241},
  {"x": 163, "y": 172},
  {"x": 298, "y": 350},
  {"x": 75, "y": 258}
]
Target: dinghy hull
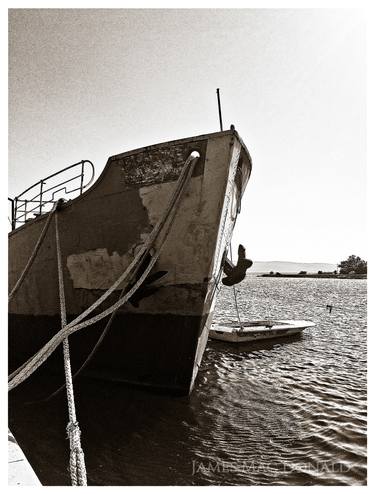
[{"x": 257, "y": 330}]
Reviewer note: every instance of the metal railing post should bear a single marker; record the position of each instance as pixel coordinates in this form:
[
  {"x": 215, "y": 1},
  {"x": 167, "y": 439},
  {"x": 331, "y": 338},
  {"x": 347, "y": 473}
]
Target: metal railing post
[
  {"x": 26, "y": 201},
  {"x": 41, "y": 196},
  {"x": 15, "y": 211},
  {"x": 12, "y": 205},
  {"x": 82, "y": 173}
]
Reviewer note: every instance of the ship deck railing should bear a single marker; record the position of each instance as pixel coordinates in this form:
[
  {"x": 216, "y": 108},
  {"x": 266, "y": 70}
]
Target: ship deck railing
[{"x": 40, "y": 197}]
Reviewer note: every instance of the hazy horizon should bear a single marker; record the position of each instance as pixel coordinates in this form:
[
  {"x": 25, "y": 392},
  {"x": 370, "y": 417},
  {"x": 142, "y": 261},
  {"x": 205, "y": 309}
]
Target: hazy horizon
[
  {"x": 91, "y": 83},
  {"x": 294, "y": 262}
]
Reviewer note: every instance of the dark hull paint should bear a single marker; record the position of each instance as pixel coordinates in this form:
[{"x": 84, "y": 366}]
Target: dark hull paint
[
  {"x": 150, "y": 350},
  {"x": 160, "y": 341}
]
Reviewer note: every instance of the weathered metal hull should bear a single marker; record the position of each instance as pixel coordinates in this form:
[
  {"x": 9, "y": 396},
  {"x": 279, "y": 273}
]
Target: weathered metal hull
[{"x": 159, "y": 340}]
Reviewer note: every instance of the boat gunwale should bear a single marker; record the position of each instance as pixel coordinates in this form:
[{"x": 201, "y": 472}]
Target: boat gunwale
[
  {"x": 115, "y": 157},
  {"x": 281, "y": 325}
]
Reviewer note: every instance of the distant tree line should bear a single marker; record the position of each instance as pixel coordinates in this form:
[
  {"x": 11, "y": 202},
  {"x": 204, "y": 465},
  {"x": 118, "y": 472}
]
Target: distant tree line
[{"x": 353, "y": 264}]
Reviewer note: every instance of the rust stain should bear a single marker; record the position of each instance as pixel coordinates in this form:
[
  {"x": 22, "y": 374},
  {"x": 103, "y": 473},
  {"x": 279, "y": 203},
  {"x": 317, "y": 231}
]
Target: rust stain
[{"x": 159, "y": 165}]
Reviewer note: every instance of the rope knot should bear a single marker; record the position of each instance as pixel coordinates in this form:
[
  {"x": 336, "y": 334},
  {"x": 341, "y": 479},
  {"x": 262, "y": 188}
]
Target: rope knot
[
  {"x": 74, "y": 434},
  {"x": 73, "y": 427},
  {"x": 77, "y": 457}
]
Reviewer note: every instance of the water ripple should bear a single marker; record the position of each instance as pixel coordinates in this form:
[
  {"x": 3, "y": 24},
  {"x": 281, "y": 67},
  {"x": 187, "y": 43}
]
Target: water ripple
[{"x": 281, "y": 412}]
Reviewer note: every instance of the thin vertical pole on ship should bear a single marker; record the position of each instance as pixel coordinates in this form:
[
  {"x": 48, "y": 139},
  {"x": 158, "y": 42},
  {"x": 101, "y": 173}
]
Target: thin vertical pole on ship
[
  {"x": 219, "y": 105},
  {"x": 41, "y": 196},
  {"x": 82, "y": 174},
  {"x": 12, "y": 205},
  {"x": 15, "y": 212},
  {"x": 26, "y": 201}
]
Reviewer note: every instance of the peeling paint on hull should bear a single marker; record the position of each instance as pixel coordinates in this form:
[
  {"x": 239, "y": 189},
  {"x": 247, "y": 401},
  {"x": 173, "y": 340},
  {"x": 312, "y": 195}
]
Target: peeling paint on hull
[
  {"x": 101, "y": 232},
  {"x": 96, "y": 269}
]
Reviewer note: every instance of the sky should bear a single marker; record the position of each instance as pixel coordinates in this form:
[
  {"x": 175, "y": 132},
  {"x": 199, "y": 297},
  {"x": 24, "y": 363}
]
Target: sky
[{"x": 88, "y": 84}]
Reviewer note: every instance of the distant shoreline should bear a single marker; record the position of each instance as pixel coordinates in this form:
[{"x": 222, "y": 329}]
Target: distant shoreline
[{"x": 314, "y": 275}]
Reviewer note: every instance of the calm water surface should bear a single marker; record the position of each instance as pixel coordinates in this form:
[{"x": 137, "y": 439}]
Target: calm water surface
[{"x": 284, "y": 412}]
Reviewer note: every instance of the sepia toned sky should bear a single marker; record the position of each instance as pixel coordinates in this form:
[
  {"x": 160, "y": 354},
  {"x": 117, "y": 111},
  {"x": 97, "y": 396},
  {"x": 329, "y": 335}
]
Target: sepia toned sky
[{"x": 87, "y": 84}]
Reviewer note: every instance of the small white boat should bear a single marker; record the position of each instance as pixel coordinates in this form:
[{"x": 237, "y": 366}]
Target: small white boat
[{"x": 256, "y": 330}]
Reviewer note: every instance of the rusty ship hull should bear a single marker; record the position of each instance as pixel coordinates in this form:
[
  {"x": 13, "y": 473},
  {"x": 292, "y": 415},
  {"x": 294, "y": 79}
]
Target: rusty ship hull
[{"x": 158, "y": 339}]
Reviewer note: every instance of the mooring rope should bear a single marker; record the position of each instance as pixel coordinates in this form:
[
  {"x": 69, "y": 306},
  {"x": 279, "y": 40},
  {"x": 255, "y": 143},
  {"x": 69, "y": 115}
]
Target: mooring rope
[
  {"x": 26, "y": 369},
  {"x": 77, "y": 458},
  {"x": 33, "y": 254},
  {"x": 91, "y": 354},
  {"x": 41, "y": 356}
]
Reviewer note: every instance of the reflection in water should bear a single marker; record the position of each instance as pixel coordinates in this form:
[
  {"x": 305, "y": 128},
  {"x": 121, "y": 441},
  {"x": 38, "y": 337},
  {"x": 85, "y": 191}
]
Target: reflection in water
[{"x": 281, "y": 412}]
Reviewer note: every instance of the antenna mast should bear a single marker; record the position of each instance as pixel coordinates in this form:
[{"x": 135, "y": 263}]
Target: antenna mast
[{"x": 219, "y": 105}]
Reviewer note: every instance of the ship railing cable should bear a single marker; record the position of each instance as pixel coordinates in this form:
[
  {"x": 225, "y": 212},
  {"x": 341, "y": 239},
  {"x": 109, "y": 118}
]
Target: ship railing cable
[
  {"x": 155, "y": 240},
  {"x": 77, "y": 458}
]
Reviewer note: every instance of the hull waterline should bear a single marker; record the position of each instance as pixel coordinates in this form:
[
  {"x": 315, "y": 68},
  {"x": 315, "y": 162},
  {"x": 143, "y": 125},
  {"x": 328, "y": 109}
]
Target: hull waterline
[{"x": 158, "y": 339}]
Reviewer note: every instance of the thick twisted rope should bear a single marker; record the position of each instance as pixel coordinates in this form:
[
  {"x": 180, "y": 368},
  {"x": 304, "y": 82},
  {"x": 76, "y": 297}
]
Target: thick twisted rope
[
  {"x": 33, "y": 254},
  {"x": 23, "y": 372},
  {"x": 77, "y": 459},
  {"x": 92, "y": 353}
]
